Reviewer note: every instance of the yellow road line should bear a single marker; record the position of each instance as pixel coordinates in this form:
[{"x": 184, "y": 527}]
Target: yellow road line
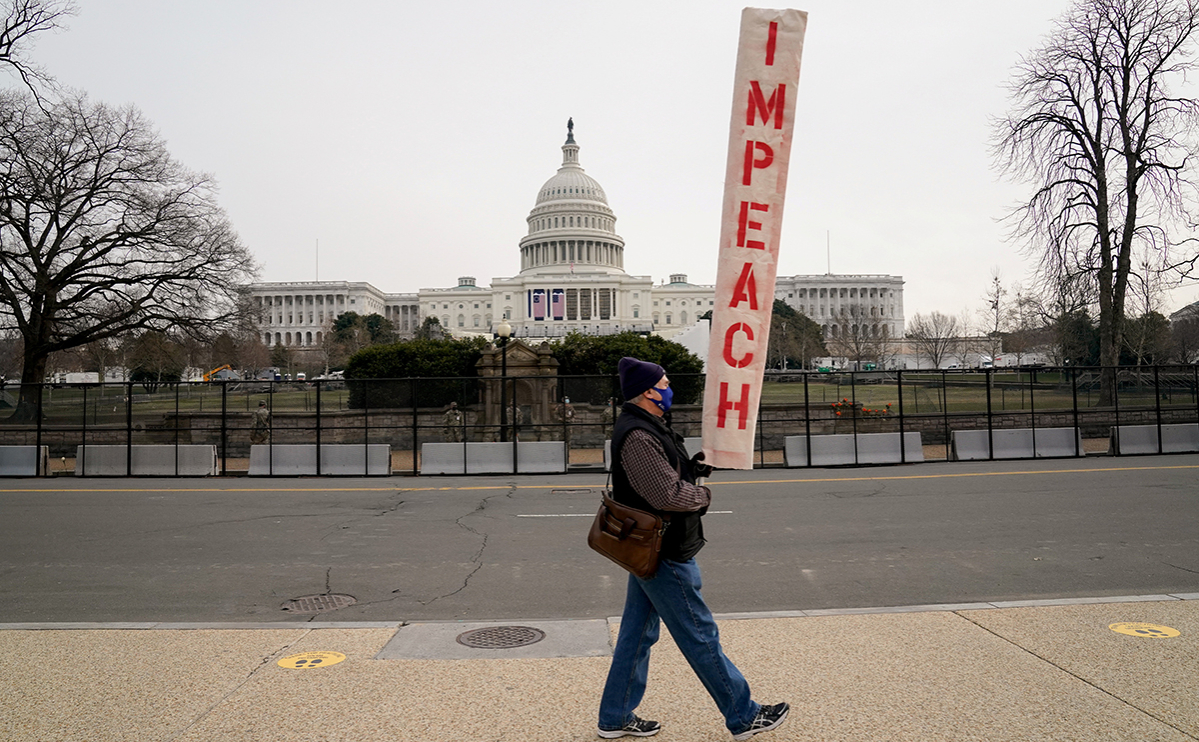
[{"x": 576, "y": 485}]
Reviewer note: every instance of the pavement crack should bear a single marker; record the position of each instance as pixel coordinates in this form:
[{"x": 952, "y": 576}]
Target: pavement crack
[
  {"x": 1184, "y": 569},
  {"x": 379, "y": 511},
  {"x": 1076, "y": 676},
  {"x": 392, "y": 508},
  {"x": 478, "y": 555},
  {"x": 465, "y": 582},
  {"x": 266, "y": 661}
]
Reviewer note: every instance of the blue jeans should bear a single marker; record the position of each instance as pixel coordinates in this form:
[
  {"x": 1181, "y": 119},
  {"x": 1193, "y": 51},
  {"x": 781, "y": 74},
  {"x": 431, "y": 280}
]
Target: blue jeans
[{"x": 672, "y": 595}]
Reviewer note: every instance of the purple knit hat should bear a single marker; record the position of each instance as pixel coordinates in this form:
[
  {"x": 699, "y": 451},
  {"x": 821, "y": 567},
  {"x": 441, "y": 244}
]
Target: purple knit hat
[{"x": 637, "y": 376}]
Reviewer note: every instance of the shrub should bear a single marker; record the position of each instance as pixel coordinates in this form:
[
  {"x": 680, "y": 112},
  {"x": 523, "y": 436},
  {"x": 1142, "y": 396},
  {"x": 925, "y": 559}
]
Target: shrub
[
  {"x": 383, "y": 375},
  {"x": 599, "y": 355}
]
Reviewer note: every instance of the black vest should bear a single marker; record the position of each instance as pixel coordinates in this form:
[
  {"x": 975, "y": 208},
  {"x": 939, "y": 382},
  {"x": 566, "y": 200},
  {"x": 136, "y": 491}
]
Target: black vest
[{"x": 684, "y": 536}]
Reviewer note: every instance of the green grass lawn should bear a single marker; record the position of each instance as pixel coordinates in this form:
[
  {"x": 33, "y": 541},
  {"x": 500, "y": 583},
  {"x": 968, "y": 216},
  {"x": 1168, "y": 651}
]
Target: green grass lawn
[
  {"x": 65, "y": 405},
  {"x": 921, "y": 398}
]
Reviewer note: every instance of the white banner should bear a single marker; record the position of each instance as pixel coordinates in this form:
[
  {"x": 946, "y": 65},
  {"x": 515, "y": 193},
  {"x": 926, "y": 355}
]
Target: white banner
[{"x": 764, "y": 93}]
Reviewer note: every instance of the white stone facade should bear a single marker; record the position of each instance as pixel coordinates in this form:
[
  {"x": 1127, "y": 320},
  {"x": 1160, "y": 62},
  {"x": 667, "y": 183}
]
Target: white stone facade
[
  {"x": 839, "y": 303},
  {"x": 299, "y": 314},
  {"x": 572, "y": 279}
]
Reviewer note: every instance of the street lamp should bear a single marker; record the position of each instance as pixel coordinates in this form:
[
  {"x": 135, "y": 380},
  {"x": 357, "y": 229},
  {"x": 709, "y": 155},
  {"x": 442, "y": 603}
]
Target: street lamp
[{"x": 504, "y": 330}]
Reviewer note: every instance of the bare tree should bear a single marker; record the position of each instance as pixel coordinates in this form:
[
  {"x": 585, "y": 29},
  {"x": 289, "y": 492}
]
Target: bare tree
[
  {"x": 994, "y": 315},
  {"x": 155, "y": 358},
  {"x": 1147, "y": 337},
  {"x": 102, "y": 233},
  {"x": 24, "y": 20},
  {"x": 934, "y": 336},
  {"x": 1024, "y": 334},
  {"x": 1096, "y": 130},
  {"x": 253, "y": 354},
  {"x": 10, "y": 354},
  {"x": 1184, "y": 335},
  {"x": 859, "y": 344}
]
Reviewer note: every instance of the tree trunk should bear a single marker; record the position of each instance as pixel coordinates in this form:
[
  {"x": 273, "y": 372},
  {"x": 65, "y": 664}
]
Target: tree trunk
[{"x": 33, "y": 374}]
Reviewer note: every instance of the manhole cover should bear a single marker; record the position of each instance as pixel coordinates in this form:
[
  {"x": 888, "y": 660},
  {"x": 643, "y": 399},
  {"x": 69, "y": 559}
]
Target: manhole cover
[
  {"x": 318, "y": 603},
  {"x": 501, "y": 637}
]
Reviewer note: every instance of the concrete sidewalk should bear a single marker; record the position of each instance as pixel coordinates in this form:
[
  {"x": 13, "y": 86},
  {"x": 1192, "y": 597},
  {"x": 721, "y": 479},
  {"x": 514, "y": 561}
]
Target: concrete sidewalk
[{"x": 1035, "y": 672}]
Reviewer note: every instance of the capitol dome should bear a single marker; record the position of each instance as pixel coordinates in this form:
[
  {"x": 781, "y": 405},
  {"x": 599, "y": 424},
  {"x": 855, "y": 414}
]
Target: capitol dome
[
  {"x": 571, "y": 227},
  {"x": 570, "y": 182}
]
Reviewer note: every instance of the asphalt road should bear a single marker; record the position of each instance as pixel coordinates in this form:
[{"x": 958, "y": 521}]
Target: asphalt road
[{"x": 514, "y": 547}]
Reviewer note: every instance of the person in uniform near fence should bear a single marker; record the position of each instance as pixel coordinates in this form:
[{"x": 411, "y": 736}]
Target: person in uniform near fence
[
  {"x": 566, "y": 413},
  {"x": 610, "y": 412},
  {"x": 453, "y": 424},
  {"x": 262, "y": 423},
  {"x": 652, "y": 471}
]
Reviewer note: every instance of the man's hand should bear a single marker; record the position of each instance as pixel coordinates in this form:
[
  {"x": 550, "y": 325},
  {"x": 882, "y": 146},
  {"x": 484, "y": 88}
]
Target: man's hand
[{"x": 699, "y": 468}]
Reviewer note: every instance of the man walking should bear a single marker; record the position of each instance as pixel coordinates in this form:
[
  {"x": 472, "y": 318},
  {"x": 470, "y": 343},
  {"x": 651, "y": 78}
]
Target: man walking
[{"x": 651, "y": 471}]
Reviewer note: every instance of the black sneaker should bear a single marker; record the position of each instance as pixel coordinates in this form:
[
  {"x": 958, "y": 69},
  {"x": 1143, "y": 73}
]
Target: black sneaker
[
  {"x": 768, "y": 718},
  {"x": 635, "y": 728}
]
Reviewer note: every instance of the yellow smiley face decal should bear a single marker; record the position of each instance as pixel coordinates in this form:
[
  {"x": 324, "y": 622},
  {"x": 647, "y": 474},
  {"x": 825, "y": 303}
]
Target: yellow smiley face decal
[
  {"x": 309, "y": 660},
  {"x": 1147, "y": 630}
]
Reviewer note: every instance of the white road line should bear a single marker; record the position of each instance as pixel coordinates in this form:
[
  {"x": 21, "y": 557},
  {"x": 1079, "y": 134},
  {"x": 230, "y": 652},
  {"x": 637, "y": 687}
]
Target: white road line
[
  {"x": 558, "y": 515},
  {"x": 592, "y": 515}
]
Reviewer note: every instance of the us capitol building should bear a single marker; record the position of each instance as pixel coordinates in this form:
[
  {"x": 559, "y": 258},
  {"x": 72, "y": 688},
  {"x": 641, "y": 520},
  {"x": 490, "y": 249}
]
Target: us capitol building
[{"x": 572, "y": 278}]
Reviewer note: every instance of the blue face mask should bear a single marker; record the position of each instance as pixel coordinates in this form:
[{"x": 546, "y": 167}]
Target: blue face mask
[{"x": 667, "y": 398}]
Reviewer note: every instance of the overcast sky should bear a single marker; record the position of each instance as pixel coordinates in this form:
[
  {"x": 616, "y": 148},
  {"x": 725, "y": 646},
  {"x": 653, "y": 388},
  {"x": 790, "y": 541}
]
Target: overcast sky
[{"x": 410, "y": 139}]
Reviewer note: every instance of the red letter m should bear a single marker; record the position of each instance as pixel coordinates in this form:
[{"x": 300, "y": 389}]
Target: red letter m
[{"x": 759, "y": 104}]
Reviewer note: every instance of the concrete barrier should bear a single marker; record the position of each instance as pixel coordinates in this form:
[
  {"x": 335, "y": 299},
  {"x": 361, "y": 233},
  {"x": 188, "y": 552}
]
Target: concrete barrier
[
  {"x": 1020, "y": 443},
  {"x": 694, "y": 446},
  {"x": 838, "y": 450},
  {"x": 145, "y": 460},
  {"x": 1134, "y": 439},
  {"x": 337, "y": 459},
  {"x": 533, "y": 457},
  {"x": 24, "y": 461}
]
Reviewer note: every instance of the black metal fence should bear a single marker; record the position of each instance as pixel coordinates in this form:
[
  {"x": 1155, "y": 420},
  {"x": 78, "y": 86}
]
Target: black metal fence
[{"x": 579, "y": 411}]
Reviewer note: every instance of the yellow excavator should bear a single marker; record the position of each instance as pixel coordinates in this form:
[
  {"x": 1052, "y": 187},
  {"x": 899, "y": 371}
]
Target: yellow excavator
[{"x": 208, "y": 376}]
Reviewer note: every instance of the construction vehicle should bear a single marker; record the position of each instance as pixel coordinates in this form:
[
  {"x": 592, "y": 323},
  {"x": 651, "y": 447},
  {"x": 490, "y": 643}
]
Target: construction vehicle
[{"x": 213, "y": 373}]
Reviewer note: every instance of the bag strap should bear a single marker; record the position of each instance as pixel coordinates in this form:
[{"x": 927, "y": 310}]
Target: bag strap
[{"x": 608, "y": 493}]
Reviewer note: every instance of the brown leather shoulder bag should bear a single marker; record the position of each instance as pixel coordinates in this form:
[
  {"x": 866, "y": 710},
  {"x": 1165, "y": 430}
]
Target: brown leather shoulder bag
[{"x": 630, "y": 537}]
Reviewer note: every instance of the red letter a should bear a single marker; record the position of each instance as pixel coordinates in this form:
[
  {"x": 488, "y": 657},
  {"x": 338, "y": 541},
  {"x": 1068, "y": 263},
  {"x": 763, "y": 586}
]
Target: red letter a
[{"x": 746, "y": 288}]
